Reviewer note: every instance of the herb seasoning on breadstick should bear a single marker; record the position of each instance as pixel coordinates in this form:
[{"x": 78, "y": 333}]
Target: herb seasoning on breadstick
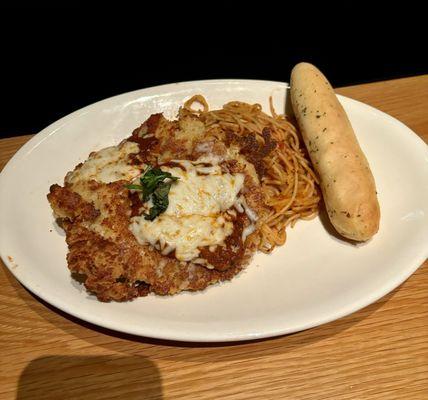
[{"x": 347, "y": 183}]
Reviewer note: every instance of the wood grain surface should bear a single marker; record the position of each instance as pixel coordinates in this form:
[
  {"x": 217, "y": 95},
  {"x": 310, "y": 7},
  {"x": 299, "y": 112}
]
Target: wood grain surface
[{"x": 380, "y": 352}]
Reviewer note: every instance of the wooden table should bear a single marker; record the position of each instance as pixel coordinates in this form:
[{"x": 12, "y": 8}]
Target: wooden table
[{"x": 380, "y": 352}]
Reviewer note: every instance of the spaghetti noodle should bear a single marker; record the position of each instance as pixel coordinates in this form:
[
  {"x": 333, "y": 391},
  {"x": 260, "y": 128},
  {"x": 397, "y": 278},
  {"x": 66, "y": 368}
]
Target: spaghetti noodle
[{"x": 289, "y": 184}]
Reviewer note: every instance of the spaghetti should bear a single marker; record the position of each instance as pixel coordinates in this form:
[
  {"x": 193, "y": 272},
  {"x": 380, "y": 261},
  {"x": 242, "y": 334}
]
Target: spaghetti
[{"x": 289, "y": 184}]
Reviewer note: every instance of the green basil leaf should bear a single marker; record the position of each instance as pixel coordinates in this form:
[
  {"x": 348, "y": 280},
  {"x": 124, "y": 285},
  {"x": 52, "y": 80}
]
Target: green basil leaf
[
  {"x": 152, "y": 178},
  {"x": 160, "y": 196},
  {"x": 153, "y": 213},
  {"x": 155, "y": 185},
  {"x": 134, "y": 187},
  {"x": 160, "y": 201}
]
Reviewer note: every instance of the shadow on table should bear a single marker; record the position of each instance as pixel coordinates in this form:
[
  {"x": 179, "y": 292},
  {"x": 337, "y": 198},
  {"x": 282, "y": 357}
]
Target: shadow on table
[{"x": 80, "y": 377}]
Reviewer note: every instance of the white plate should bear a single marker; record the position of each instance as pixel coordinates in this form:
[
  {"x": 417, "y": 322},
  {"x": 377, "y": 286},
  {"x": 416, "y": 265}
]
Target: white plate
[{"x": 313, "y": 279}]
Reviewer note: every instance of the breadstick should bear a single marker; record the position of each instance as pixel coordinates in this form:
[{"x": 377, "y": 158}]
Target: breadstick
[{"x": 347, "y": 183}]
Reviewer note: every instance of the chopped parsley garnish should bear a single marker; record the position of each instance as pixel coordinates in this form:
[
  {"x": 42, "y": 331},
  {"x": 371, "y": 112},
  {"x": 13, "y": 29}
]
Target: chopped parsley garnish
[{"x": 155, "y": 184}]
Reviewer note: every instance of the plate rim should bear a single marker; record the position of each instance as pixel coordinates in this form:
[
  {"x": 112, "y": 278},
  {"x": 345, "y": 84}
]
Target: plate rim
[{"x": 350, "y": 308}]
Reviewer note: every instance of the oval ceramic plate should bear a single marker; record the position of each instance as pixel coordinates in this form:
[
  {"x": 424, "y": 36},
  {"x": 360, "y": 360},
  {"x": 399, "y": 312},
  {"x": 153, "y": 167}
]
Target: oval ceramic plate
[{"x": 313, "y": 279}]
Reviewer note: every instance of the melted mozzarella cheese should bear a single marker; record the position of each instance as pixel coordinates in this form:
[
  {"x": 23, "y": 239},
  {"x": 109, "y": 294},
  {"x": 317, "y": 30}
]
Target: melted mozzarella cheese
[
  {"x": 194, "y": 217},
  {"x": 183, "y": 234},
  {"x": 202, "y": 190},
  {"x": 107, "y": 165},
  {"x": 242, "y": 206}
]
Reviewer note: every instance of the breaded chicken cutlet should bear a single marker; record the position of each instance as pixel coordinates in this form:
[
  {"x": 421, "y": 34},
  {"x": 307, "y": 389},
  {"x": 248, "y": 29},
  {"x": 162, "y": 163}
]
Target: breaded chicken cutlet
[{"x": 173, "y": 207}]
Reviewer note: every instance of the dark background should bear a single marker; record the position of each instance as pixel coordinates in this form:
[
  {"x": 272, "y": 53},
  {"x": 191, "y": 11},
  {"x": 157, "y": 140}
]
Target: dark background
[{"x": 55, "y": 60}]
